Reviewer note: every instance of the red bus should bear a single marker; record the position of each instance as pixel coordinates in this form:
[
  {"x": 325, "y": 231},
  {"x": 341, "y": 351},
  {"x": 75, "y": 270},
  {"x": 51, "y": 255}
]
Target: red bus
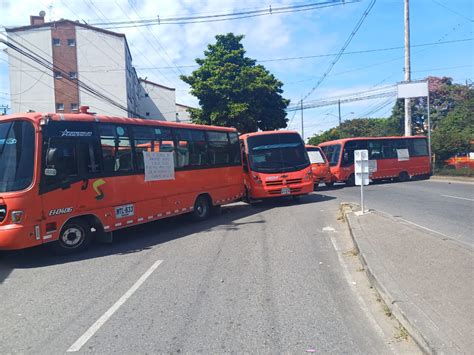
[
  {"x": 319, "y": 165},
  {"x": 66, "y": 178},
  {"x": 398, "y": 158},
  {"x": 275, "y": 164}
]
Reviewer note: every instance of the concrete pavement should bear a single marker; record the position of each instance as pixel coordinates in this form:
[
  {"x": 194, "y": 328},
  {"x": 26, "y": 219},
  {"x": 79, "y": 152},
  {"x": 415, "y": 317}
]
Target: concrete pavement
[{"x": 425, "y": 279}]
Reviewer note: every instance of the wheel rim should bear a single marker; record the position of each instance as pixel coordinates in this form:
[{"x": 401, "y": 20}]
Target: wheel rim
[
  {"x": 72, "y": 237},
  {"x": 201, "y": 208}
]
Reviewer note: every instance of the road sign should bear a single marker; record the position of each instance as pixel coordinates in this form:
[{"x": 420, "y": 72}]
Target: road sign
[{"x": 361, "y": 171}]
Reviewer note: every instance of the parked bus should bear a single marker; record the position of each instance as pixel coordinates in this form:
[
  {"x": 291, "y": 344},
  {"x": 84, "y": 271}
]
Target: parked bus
[
  {"x": 64, "y": 178},
  {"x": 398, "y": 158},
  {"x": 275, "y": 164},
  {"x": 319, "y": 165}
]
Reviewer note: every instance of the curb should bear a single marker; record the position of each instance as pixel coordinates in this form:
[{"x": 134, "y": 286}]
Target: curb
[
  {"x": 385, "y": 294},
  {"x": 455, "y": 179}
]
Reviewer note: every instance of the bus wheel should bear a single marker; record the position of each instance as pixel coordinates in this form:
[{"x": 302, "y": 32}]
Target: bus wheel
[
  {"x": 403, "y": 176},
  {"x": 75, "y": 236},
  {"x": 202, "y": 208},
  {"x": 350, "y": 180}
]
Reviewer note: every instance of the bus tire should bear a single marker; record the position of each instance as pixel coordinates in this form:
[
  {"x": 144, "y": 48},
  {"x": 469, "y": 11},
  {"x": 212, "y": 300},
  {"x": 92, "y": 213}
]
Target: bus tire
[
  {"x": 350, "y": 180},
  {"x": 75, "y": 236},
  {"x": 403, "y": 176},
  {"x": 202, "y": 208}
]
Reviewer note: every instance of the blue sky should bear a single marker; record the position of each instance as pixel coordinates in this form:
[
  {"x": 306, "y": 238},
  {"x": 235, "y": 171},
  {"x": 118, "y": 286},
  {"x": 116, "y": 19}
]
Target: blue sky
[{"x": 296, "y": 34}]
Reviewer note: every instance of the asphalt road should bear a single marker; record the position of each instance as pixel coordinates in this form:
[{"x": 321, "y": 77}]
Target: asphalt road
[
  {"x": 441, "y": 206},
  {"x": 264, "y": 279}
]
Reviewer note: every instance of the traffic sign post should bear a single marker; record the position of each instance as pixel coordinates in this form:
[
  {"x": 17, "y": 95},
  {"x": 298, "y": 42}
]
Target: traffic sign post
[{"x": 361, "y": 171}]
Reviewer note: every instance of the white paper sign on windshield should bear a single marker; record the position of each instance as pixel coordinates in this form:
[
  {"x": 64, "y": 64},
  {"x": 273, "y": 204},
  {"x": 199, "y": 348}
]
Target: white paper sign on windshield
[
  {"x": 403, "y": 154},
  {"x": 158, "y": 166},
  {"x": 471, "y": 155},
  {"x": 315, "y": 157}
]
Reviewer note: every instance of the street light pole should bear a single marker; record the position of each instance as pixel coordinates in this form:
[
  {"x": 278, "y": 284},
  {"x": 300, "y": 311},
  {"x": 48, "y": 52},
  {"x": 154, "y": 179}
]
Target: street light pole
[
  {"x": 302, "y": 126},
  {"x": 407, "y": 68},
  {"x": 340, "y": 121}
]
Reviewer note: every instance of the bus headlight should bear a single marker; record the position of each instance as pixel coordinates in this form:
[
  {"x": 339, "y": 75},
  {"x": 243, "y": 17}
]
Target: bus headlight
[
  {"x": 257, "y": 179},
  {"x": 16, "y": 216}
]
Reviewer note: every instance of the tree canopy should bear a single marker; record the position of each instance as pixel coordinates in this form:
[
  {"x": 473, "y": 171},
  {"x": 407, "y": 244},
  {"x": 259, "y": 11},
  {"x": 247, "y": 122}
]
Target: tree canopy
[{"x": 234, "y": 91}]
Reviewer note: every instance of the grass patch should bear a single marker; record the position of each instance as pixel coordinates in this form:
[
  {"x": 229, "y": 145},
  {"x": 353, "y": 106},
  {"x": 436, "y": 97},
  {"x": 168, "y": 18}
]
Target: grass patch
[
  {"x": 465, "y": 172},
  {"x": 351, "y": 252},
  {"x": 402, "y": 333},
  {"x": 387, "y": 311},
  {"x": 360, "y": 269}
]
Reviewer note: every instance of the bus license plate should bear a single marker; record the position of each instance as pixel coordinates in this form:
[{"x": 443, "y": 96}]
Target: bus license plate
[
  {"x": 285, "y": 191},
  {"x": 124, "y": 211}
]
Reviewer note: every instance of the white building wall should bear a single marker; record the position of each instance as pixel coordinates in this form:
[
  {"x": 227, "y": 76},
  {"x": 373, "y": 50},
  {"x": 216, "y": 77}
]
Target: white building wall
[
  {"x": 31, "y": 85},
  {"x": 157, "y": 102},
  {"x": 101, "y": 64},
  {"x": 182, "y": 113}
]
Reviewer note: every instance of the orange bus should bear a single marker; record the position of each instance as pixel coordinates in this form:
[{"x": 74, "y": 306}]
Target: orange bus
[
  {"x": 464, "y": 160},
  {"x": 275, "y": 164},
  {"x": 319, "y": 165},
  {"x": 67, "y": 178},
  {"x": 398, "y": 158}
]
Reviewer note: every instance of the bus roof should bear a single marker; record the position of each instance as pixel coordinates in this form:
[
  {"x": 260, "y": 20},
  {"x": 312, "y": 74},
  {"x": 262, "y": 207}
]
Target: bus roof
[
  {"x": 343, "y": 140},
  {"x": 262, "y": 133},
  {"x": 36, "y": 117}
]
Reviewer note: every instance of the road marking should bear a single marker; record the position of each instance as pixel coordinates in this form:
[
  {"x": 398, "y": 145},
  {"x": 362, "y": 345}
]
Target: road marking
[
  {"x": 105, "y": 317},
  {"x": 460, "y": 198}
]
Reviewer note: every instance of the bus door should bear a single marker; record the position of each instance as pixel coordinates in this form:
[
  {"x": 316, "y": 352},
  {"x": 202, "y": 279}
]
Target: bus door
[{"x": 69, "y": 161}]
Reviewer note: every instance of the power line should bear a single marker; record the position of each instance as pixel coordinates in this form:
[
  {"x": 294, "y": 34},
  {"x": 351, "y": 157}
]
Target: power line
[
  {"x": 453, "y": 11},
  {"x": 197, "y": 18},
  {"x": 346, "y": 44}
]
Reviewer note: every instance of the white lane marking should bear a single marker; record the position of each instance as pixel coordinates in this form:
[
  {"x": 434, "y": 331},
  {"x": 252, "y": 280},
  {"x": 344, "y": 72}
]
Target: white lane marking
[
  {"x": 328, "y": 229},
  {"x": 460, "y": 198},
  {"x": 105, "y": 317}
]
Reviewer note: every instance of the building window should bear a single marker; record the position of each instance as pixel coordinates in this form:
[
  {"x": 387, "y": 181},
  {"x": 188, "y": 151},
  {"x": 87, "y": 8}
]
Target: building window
[
  {"x": 59, "y": 106},
  {"x": 74, "y": 107},
  {"x": 57, "y": 74},
  {"x": 147, "y": 113},
  {"x": 56, "y": 42},
  {"x": 72, "y": 75},
  {"x": 71, "y": 42},
  {"x": 146, "y": 95}
]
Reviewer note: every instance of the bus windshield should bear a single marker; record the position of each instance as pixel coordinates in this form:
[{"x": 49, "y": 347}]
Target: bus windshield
[
  {"x": 16, "y": 155},
  {"x": 275, "y": 153},
  {"x": 332, "y": 153}
]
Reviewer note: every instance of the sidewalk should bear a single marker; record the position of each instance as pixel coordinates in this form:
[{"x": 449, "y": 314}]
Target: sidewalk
[{"x": 426, "y": 281}]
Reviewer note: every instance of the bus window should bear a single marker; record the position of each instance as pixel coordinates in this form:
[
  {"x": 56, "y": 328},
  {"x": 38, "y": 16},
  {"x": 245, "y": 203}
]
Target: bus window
[
  {"x": 375, "y": 149},
  {"x": 219, "y": 152},
  {"x": 332, "y": 153},
  {"x": 116, "y": 148},
  {"x": 234, "y": 149},
  {"x": 418, "y": 147},
  {"x": 60, "y": 162},
  {"x": 144, "y": 138},
  {"x": 191, "y": 148}
]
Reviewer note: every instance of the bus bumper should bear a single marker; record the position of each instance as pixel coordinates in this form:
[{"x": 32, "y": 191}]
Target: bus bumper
[
  {"x": 17, "y": 236},
  {"x": 262, "y": 192}
]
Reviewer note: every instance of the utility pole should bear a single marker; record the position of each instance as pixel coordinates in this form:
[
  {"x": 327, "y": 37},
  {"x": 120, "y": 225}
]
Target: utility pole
[
  {"x": 302, "y": 127},
  {"x": 340, "y": 121},
  {"x": 407, "y": 68}
]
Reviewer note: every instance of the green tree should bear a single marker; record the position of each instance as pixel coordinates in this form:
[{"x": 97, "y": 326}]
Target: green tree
[
  {"x": 234, "y": 91},
  {"x": 454, "y": 133}
]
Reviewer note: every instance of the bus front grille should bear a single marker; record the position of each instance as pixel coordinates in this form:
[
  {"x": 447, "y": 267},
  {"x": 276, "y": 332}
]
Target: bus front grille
[
  {"x": 294, "y": 181},
  {"x": 274, "y": 183},
  {"x": 3, "y": 212}
]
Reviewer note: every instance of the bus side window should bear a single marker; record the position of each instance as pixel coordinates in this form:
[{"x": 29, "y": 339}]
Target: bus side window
[
  {"x": 60, "y": 161},
  {"x": 234, "y": 148},
  {"x": 116, "y": 148},
  {"x": 245, "y": 163},
  {"x": 219, "y": 148},
  {"x": 144, "y": 138}
]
